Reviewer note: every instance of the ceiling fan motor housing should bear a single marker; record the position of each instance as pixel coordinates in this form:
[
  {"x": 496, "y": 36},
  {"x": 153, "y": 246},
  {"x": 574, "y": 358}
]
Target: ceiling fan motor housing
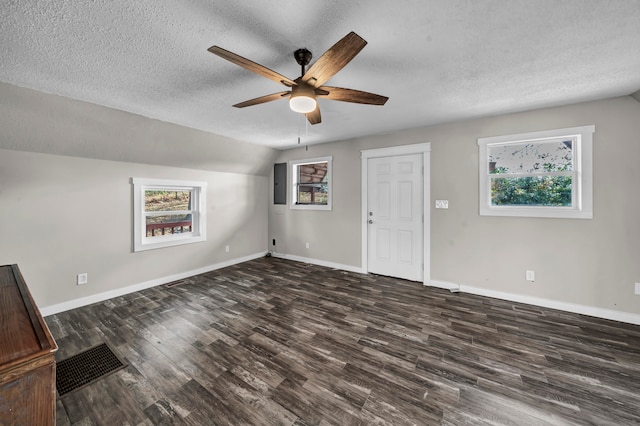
[{"x": 303, "y": 57}]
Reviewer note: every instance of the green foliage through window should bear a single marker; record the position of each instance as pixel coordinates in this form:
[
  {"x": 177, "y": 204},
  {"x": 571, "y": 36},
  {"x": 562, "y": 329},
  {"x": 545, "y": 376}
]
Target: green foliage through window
[{"x": 531, "y": 191}]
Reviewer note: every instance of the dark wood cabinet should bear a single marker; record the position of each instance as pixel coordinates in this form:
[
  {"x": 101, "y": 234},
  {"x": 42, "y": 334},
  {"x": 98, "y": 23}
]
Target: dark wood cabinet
[{"x": 27, "y": 356}]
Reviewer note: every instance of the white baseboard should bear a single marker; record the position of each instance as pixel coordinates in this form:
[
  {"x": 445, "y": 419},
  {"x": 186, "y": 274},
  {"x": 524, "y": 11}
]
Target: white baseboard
[
  {"x": 319, "y": 262},
  {"x": 610, "y": 314},
  {"x": 100, "y": 297},
  {"x": 592, "y": 311}
]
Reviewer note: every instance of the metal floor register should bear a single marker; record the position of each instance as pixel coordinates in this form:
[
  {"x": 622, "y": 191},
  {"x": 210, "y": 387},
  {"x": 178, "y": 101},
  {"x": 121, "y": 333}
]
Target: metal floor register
[{"x": 85, "y": 368}]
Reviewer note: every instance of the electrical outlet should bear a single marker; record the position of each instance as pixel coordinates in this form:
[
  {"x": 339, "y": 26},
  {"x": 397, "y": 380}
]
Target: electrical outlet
[
  {"x": 227, "y": 249},
  {"x": 274, "y": 242},
  {"x": 638, "y": 288},
  {"x": 442, "y": 204},
  {"x": 82, "y": 279},
  {"x": 307, "y": 244},
  {"x": 530, "y": 276}
]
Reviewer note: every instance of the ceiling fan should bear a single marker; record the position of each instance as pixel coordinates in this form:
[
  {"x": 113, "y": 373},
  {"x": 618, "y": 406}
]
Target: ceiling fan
[{"x": 310, "y": 85}]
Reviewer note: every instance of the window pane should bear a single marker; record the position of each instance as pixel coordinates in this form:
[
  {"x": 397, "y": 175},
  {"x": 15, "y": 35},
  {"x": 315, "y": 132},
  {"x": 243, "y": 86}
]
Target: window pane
[
  {"x": 155, "y": 201},
  {"x": 313, "y": 194},
  {"x": 311, "y": 183},
  {"x": 313, "y": 173},
  {"x": 531, "y": 191},
  {"x": 534, "y": 157},
  {"x": 168, "y": 224},
  {"x": 168, "y": 213}
]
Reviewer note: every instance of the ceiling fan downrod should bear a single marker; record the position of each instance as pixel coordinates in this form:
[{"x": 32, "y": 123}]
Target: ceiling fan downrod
[{"x": 303, "y": 57}]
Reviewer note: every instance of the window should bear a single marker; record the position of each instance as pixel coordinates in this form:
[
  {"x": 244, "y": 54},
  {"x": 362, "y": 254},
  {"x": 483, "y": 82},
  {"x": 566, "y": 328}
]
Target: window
[
  {"x": 540, "y": 174},
  {"x": 311, "y": 183},
  {"x": 168, "y": 213}
]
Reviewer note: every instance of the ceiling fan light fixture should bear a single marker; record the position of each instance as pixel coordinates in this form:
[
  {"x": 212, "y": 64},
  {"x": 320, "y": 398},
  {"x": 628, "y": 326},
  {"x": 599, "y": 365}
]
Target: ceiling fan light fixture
[
  {"x": 302, "y": 104},
  {"x": 303, "y": 99}
]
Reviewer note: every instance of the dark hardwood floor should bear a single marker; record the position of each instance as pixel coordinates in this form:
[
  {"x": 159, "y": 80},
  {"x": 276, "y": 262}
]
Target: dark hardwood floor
[{"x": 278, "y": 342}]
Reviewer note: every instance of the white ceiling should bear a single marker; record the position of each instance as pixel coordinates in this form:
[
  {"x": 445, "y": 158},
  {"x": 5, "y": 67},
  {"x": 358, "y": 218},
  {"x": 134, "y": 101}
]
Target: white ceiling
[{"x": 437, "y": 60}]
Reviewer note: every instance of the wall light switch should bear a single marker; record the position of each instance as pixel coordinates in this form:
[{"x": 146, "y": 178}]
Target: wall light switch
[
  {"x": 442, "y": 204},
  {"x": 637, "y": 288}
]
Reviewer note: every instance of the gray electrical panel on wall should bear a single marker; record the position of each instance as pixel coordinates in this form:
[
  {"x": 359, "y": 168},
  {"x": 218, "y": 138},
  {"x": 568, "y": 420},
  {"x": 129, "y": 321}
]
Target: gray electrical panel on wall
[{"x": 280, "y": 183}]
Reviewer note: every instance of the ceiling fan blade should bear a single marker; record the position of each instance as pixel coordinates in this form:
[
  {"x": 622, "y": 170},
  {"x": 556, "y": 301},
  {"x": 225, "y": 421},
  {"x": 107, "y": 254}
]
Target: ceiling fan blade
[
  {"x": 251, "y": 66},
  {"x": 334, "y": 59},
  {"x": 314, "y": 116},
  {"x": 350, "y": 95},
  {"x": 262, "y": 99}
]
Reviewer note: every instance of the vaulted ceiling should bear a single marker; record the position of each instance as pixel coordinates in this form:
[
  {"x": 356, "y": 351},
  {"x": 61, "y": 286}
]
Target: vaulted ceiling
[{"x": 437, "y": 60}]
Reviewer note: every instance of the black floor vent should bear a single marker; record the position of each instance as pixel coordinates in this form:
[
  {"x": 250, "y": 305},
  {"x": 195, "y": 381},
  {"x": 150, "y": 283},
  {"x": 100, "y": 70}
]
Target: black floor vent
[
  {"x": 528, "y": 310},
  {"x": 179, "y": 282},
  {"x": 85, "y": 368}
]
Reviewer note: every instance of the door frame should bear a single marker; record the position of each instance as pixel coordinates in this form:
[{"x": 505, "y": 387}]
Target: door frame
[{"x": 419, "y": 148}]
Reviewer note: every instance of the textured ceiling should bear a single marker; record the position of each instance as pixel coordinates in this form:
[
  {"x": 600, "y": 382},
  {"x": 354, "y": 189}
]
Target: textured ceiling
[{"x": 437, "y": 60}]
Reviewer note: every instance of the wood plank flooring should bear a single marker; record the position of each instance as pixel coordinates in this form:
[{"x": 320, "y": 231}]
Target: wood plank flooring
[{"x": 276, "y": 342}]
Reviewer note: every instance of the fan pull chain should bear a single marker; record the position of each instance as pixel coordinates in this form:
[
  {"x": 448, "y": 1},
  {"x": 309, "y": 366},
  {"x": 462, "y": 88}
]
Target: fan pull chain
[{"x": 306, "y": 131}]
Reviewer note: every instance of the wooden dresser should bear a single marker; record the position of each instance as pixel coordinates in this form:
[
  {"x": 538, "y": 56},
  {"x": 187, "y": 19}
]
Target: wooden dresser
[{"x": 27, "y": 363}]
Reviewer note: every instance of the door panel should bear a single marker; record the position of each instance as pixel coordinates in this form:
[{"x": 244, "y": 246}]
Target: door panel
[
  {"x": 384, "y": 200},
  {"x": 383, "y": 246},
  {"x": 405, "y": 246},
  {"x": 405, "y": 201},
  {"x": 395, "y": 229}
]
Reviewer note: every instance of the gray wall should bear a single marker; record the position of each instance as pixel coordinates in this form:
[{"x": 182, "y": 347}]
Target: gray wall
[
  {"x": 62, "y": 213},
  {"x": 38, "y": 122},
  {"x": 585, "y": 262},
  {"x": 65, "y": 167}
]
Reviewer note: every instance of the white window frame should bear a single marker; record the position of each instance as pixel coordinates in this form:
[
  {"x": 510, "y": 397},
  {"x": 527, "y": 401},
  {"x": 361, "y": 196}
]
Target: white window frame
[
  {"x": 293, "y": 167},
  {"x": 199, "y": 213},
  {"x": 582, "y": 184}
]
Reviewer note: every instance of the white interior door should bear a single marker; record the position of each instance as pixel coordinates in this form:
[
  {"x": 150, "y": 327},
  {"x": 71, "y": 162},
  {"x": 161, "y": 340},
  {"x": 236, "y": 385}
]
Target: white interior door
[{"x": 395, "y": 216}]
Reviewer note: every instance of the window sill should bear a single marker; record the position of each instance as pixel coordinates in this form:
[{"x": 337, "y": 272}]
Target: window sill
[
  {"x": 310, "y": 207},
  {"x": 544, "y": 212}
]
